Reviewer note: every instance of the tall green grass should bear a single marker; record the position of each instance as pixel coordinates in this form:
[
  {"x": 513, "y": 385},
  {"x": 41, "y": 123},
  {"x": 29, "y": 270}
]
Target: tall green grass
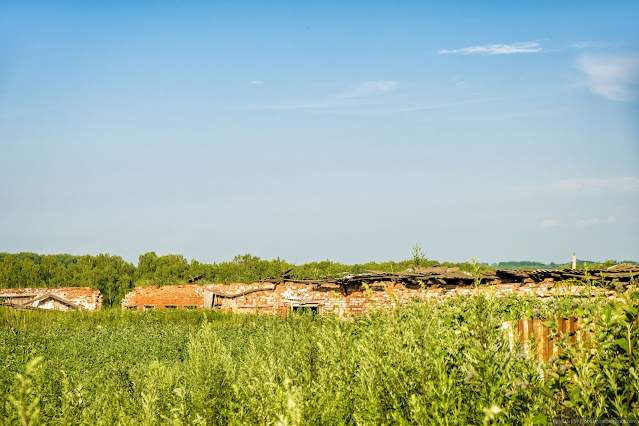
[{"x": 425, "y": 364}]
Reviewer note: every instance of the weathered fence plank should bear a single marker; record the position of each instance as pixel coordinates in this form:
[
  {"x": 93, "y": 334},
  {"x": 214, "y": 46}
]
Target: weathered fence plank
[{"x": 533, "y": 332}]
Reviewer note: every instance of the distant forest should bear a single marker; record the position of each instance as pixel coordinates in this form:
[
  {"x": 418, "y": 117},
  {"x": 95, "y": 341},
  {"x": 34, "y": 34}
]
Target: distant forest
[{"x": 115, "y": 277}]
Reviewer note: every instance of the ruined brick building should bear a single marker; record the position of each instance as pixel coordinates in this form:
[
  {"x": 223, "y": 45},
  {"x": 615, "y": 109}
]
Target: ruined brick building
[
  {"x": 364, "y": 292},
  {"x": 351, "y": 294}
]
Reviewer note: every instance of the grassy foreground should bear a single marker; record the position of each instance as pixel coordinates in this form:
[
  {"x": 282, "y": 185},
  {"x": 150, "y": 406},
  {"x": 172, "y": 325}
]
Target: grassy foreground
[{"x": 425, "y": 364}]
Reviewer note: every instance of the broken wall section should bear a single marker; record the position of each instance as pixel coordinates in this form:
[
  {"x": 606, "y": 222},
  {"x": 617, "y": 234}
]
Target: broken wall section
[{"x": 59, "y": 299}]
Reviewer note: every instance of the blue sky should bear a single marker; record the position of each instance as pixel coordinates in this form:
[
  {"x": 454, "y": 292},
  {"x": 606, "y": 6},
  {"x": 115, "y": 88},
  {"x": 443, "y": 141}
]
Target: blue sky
[{"x": 314, "y": 130}]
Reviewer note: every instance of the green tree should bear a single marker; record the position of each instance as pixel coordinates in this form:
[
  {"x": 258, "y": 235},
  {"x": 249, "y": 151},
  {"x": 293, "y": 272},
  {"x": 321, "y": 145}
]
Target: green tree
[{"x": 419, "y": 256}]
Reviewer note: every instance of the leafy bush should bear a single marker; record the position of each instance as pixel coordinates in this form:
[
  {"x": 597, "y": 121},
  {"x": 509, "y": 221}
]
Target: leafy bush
[{"x": 599, "y": 377}]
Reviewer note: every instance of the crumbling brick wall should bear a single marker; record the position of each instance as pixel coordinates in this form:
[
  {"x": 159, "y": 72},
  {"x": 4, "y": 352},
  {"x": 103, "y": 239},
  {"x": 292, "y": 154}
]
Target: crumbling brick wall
[
  {"x": 83, "y": 297},
  {"x": 168, "y": 296},
  {"x": 341, "y": 300}
]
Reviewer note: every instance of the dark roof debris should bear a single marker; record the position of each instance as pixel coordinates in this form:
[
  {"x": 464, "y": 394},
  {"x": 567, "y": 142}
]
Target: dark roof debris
[{"x": 442, "y": 275}]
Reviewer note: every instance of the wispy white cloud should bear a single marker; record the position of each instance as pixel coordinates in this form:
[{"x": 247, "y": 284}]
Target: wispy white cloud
[
  {"x": 549, "y": 223},
  {"x": 613, "y": 77},
  {"x": 595, "y": 221},
  {"x": 256, "y": 82},
  {"x": 588, "y": 44},
  {"x": 498, "y": 49},
  {"x": 586, "y": 185},
  {"x": 452, "y": 104},
  {"x": 369, "y": 88},
  {"x": 624, "y": 184},
  {"x": 459, "y": 81},
  {"x": 353, "y": 97}
]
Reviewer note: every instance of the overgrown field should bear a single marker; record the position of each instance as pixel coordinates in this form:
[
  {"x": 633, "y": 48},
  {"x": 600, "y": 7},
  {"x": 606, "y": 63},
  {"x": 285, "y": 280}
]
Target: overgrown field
[{"x": 425, "y": 364}]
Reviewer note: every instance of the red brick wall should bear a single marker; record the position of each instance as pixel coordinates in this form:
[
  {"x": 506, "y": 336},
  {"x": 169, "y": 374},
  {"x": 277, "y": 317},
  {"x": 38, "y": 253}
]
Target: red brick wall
[
  {"x": 328, "y": 297},
  {"x": 161, "y": 297}
]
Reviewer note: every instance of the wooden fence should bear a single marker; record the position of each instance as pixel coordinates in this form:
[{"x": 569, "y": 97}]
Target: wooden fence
[{"x": 533, "y": 335}]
